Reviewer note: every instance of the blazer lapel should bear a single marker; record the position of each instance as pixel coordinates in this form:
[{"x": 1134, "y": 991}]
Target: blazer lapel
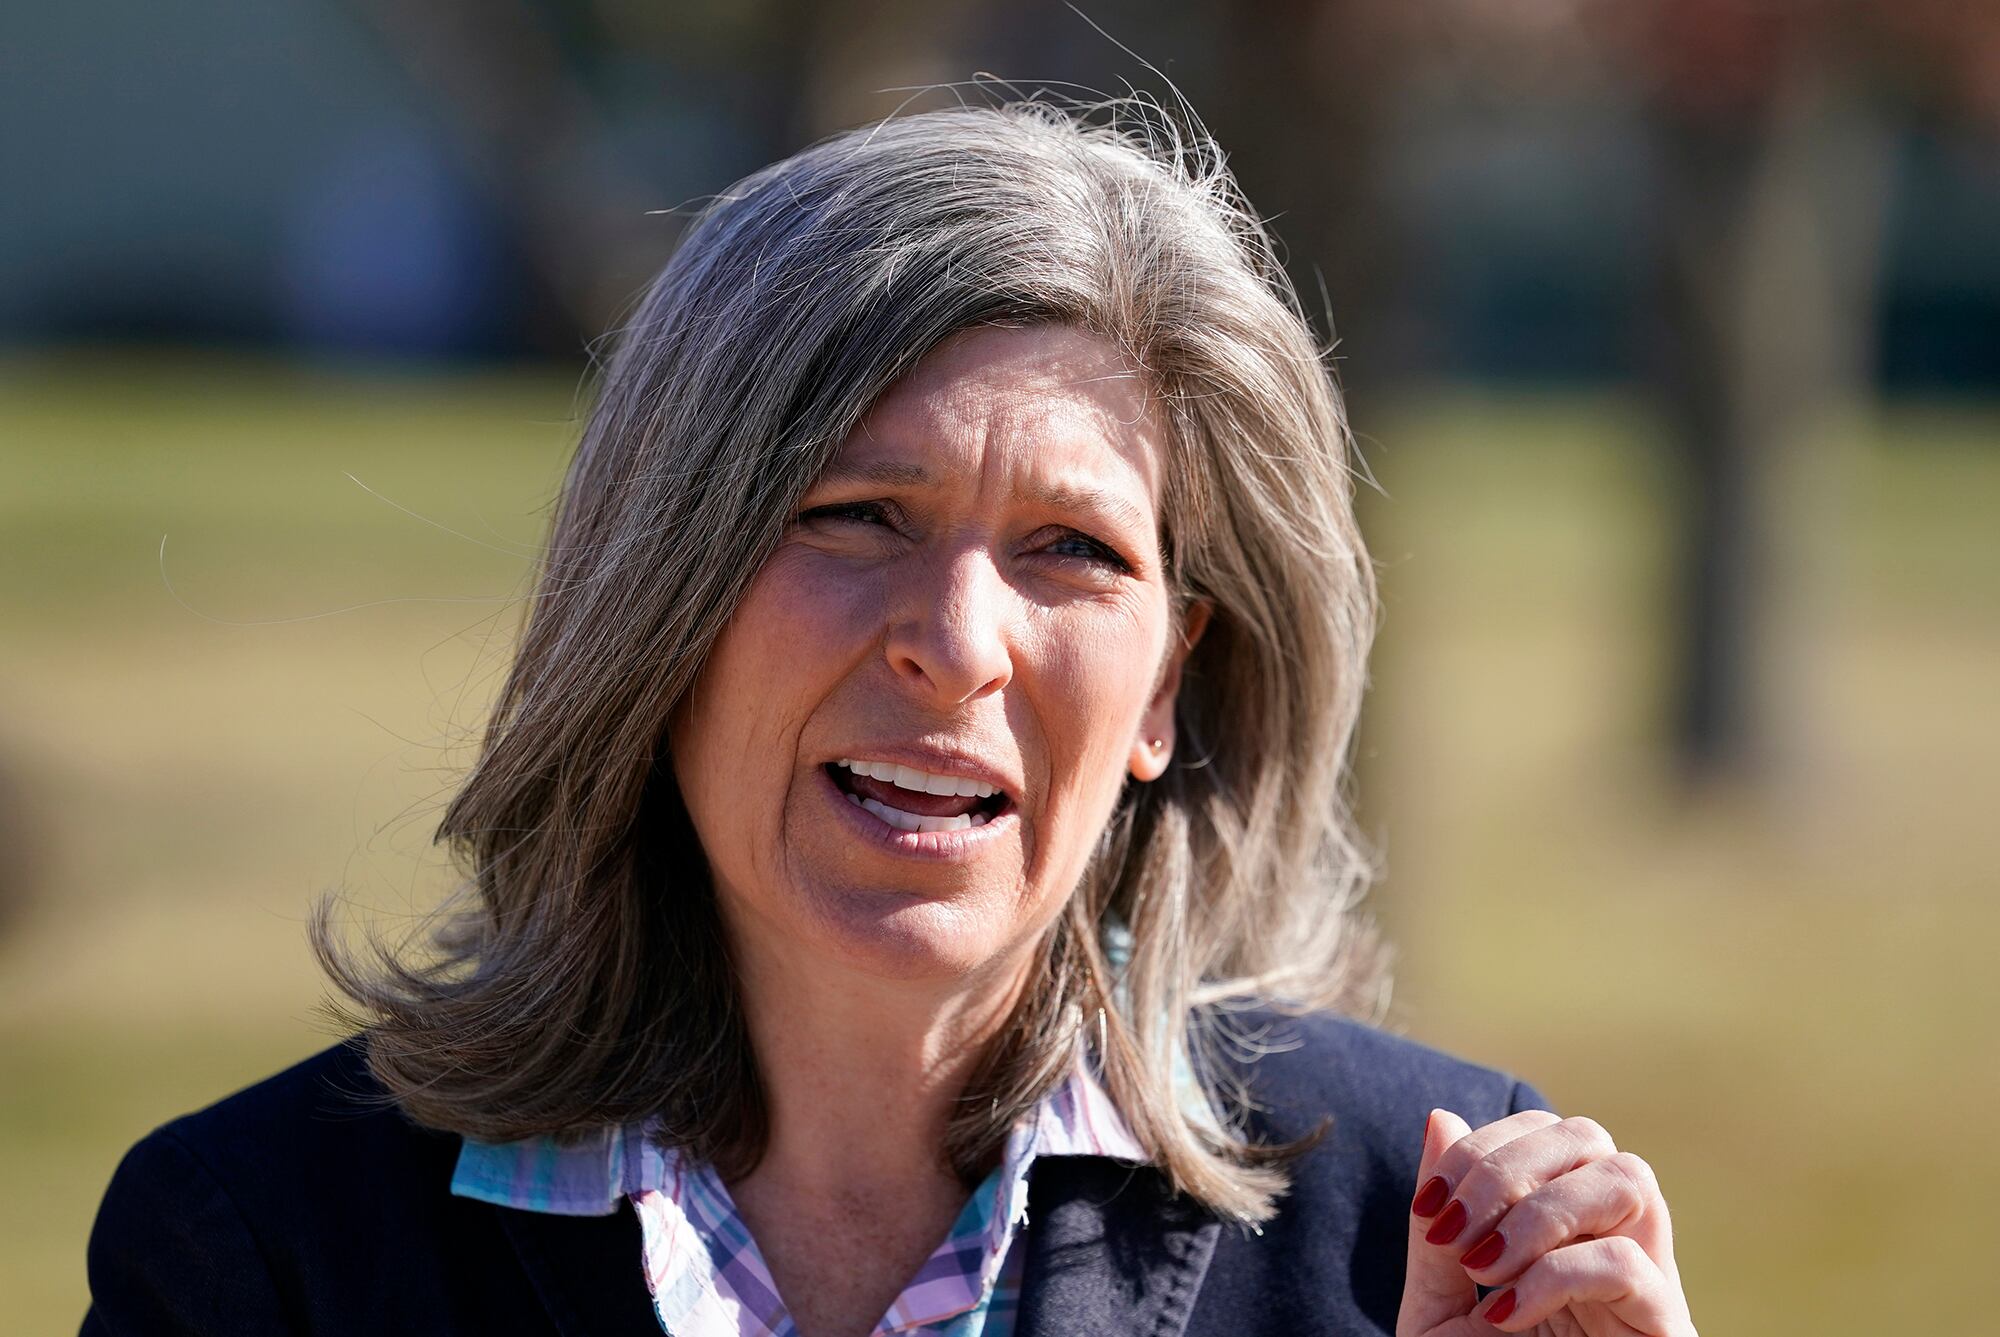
[
  {"x": 1112, "y": 1251},
  {"x": 588, "y": 1270}
]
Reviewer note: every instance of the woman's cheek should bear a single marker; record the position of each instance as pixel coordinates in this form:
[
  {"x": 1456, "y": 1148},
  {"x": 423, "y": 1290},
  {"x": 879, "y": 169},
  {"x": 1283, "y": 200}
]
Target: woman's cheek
[
  {"x": 820, "y": 610},
  {"x": 1103, "y": 659},
  {"x": 1093, "y": 677}
]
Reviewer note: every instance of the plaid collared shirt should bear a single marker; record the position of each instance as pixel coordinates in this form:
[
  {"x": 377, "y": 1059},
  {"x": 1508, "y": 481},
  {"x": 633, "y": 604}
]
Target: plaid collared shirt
[{"x": 705, "y": 1272}]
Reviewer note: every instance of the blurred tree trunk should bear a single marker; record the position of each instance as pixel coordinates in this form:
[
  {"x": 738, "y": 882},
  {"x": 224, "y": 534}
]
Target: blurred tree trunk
[
  {"x": 527, "y": 131},
  {"x": 19, "y": 848},
  {"x": 1770, "y": 263},
  {"x": 1302, "y": 107}
]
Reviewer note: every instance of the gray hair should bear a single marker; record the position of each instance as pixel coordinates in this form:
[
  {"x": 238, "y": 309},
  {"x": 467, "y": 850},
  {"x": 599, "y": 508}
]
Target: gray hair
[{"x": 581, "y": 977}]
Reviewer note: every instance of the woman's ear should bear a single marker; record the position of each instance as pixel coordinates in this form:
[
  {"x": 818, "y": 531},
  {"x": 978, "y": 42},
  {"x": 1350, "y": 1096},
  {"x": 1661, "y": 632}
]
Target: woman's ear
[{"x": 1154, "y": 747}]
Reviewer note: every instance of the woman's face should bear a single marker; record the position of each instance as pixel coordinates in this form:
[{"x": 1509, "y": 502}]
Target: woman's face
[{"x": 905, "y": 745}]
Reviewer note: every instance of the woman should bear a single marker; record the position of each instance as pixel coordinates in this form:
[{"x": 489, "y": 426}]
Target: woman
[{"x": 909, "y": 888}]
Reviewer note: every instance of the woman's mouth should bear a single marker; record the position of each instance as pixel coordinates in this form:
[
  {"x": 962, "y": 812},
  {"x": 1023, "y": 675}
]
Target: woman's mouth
[{"x": 912, "y": 800}]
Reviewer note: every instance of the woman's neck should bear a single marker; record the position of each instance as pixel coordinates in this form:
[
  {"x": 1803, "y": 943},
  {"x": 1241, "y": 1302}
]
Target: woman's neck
[{"x": 861, "y": 1075}]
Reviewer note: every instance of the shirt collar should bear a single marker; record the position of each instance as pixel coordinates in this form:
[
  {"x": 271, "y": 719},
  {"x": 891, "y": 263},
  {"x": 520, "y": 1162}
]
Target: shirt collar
[
  {"x": 589, "y": 1173},
  {"x": 700, "y": 1262}
]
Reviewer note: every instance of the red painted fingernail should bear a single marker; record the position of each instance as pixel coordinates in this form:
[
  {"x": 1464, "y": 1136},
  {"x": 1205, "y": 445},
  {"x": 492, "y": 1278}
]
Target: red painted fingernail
[
  {"x": 1448, "y": 1225},
  {"x": 1431, "y": 1196},
  {"x": 1485, "y": 1253},
  {"x": 1503, "y": 1305}
]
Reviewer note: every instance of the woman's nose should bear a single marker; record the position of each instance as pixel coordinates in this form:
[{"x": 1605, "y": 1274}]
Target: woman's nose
[{"x": 948, "y": 636}]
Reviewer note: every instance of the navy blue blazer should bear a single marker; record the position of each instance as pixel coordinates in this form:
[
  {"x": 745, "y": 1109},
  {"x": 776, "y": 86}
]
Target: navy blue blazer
[{"x": 303, "y": 1205}]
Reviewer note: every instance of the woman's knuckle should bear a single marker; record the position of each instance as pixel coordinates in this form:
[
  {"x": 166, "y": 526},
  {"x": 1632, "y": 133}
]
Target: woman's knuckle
[
  {"x": 1522, "y": 1185},
  {"x": 1539, "y": 1217},
  {"x": 1453, "y": 1167},
  {"x": 1637, "y": 1175},
  {"x": 1555, "y": 1271},
  {"x": 1478, "y": 1182},
  {"x": 1590, "y": 1136},
  {"x": 1623, "y": 1255}
]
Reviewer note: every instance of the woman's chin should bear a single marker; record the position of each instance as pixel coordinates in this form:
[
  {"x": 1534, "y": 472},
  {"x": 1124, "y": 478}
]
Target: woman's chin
[{"x": 904, "y": 935}]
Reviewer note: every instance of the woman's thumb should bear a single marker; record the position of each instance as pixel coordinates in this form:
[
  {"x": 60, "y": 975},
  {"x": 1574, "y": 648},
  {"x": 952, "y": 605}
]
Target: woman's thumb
[
  {"x": 1435, "y": 1288},
  {"x": 1441, "y": 1130}
]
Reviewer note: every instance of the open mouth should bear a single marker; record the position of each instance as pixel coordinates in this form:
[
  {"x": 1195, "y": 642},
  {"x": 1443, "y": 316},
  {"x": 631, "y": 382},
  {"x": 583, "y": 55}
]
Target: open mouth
[{"x": 911, "y": 800}]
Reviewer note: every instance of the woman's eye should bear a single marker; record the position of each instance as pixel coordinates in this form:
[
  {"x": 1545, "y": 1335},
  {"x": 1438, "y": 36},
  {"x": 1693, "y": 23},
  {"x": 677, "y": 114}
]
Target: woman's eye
[
  {"x": 1073, "y": 544},
  {"x": 858, "y": 512}
]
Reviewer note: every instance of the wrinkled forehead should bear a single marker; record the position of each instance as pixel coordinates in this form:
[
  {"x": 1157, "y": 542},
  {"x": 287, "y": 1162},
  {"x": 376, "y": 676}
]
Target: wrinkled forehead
[{"x": 1035, "y": 401}]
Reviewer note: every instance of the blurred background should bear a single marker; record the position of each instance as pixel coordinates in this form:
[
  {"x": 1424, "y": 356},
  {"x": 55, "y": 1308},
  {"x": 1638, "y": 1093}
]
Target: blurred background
[{"x": 1671, "y": 329}]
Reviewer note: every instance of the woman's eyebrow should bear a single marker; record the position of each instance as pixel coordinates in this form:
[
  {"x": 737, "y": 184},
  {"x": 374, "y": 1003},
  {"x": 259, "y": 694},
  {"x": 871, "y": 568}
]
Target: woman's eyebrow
[
  {"x": 1073, "y": 497},
  {"x": 1084, "y": 498},
  {"x": 882, "y": 473}
]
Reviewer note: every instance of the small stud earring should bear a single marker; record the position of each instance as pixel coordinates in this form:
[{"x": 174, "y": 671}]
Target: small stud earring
[{"x": 1159, "y": 743}]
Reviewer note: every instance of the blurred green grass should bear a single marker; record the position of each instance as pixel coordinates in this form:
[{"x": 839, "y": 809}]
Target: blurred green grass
[{"x": 1776, "y": 993}]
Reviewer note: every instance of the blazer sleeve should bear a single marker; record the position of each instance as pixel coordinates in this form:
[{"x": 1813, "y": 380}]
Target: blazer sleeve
[
  {"x": 1526, "y": 1097},
  {"x": 171, "y": 1254}
]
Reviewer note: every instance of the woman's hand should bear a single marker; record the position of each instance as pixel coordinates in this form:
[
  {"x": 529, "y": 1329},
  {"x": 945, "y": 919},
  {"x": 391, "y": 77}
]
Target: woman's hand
[{"x": 1573, "y": 1231}]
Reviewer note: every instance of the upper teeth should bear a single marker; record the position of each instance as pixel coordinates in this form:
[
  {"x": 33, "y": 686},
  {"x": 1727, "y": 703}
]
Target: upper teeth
[{"x": 920, "y": 782}]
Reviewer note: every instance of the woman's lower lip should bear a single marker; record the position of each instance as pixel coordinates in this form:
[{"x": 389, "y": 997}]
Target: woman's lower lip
[{"x": 961, "y": 844}]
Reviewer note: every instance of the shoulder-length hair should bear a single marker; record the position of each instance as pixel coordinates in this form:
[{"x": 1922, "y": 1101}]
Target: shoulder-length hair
[{"x": 582, "y": 978}]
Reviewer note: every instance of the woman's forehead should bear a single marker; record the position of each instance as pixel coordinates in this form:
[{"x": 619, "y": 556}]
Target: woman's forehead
[
  {"x": 1021, "y": 368},
  {"x": 1042, "y": 401}
]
